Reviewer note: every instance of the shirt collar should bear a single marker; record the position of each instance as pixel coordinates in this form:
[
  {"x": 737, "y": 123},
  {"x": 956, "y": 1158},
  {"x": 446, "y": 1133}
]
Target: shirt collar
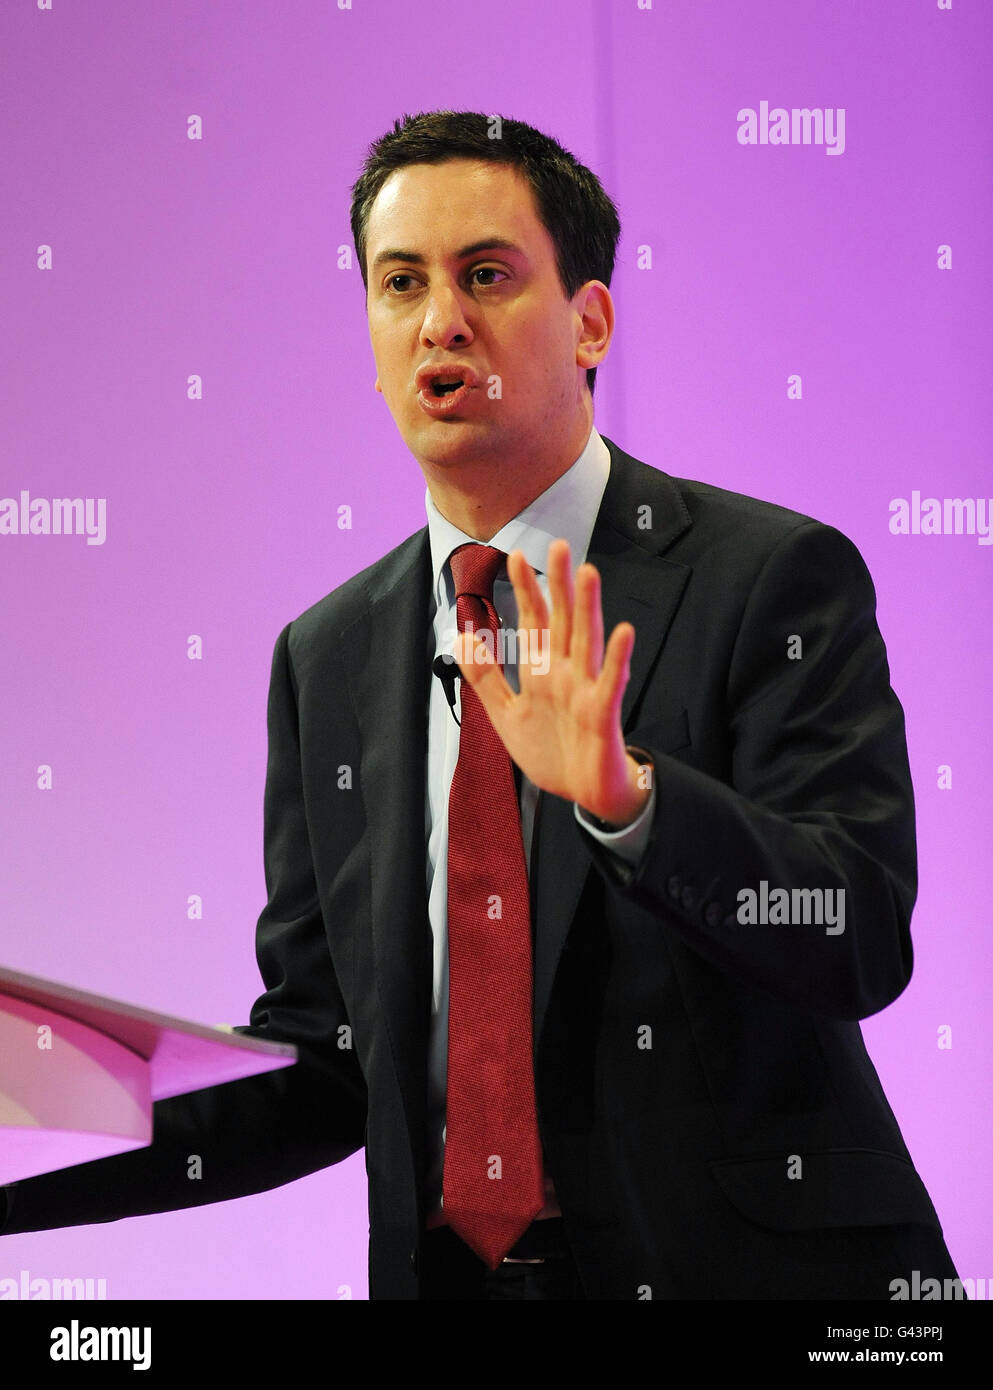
[{"x": 567, "y": 509}]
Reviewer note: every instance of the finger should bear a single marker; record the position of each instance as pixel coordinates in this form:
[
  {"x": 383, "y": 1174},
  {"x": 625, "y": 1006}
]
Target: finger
[
  {"x": 482, "y": 671},
  {"x": 532, "y": 611},
  {"x": 587, "y": 624},
  {"x": 613, "y": 678},
  {"x": 560, "y": 589},
  {"x": 532, "y": 620}
]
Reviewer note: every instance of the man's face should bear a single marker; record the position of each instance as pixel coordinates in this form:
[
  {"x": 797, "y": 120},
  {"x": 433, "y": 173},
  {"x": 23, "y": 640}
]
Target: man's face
[{"x": 443, "y": 293}]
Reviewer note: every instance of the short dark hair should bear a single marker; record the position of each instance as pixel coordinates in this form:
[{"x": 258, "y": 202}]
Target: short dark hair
[{"x": 578, "y": 215}]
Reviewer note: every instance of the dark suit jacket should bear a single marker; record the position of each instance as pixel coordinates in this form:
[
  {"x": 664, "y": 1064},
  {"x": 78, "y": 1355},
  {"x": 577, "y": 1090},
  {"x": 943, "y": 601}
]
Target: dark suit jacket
[{"x": 675, "y": 1164}]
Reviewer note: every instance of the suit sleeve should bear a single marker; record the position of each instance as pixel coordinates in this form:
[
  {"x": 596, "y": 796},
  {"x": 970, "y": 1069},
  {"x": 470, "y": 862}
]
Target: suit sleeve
[
  {"x": 819, "y": 796},
  {"x": 257, "y": 1133}
]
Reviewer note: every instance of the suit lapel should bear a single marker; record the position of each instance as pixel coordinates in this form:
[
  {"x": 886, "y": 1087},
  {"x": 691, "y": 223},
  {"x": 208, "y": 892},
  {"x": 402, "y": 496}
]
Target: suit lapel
[
  {"x": 639, "y": 587},
  {"x": 388, "y": 678}
]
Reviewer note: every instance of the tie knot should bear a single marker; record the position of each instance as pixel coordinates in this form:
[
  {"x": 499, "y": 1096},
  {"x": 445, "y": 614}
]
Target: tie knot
[{"x": 474, "y": 568}]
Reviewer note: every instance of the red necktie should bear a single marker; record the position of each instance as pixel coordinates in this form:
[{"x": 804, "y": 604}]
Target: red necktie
[{"x": 493, "y": 1178}]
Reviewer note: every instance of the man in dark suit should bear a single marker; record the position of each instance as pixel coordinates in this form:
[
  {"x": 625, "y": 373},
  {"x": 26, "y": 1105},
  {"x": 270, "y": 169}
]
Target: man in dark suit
[{"x": 713, "y": 807}]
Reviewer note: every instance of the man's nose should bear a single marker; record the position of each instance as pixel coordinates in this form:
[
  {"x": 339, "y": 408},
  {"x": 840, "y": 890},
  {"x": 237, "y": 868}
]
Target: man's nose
[{"x": 446, "y": 317}]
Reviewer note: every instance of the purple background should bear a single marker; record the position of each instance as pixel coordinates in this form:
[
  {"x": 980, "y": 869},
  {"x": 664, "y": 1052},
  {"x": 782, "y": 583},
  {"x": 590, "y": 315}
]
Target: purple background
[{"x": 221, "y": 257}]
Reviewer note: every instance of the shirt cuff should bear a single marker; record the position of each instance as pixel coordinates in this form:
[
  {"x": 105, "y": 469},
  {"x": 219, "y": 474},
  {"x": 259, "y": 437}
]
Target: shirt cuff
[{"x": 629, "y": 842}]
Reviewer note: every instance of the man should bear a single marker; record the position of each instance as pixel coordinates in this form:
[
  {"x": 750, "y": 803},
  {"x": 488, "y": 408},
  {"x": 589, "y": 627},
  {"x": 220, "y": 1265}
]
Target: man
[{"x": 582, "y": 971}]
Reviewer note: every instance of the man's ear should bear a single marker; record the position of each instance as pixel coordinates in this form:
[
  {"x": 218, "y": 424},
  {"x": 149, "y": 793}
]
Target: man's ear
[{"x": 378, "y": 387}]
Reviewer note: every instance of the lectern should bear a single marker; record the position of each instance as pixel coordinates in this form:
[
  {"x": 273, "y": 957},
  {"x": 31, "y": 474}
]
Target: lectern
[{"x": 79, "y": 1073}]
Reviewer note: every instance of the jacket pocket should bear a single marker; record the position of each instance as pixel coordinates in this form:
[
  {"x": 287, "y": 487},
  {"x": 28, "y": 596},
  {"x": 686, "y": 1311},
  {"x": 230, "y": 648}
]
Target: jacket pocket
[{"x": 838, "y": 1187}]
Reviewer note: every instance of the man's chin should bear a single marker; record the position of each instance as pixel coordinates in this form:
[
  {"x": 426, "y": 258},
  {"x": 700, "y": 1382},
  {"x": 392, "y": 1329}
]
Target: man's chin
[{"x": 451, "y": 443}]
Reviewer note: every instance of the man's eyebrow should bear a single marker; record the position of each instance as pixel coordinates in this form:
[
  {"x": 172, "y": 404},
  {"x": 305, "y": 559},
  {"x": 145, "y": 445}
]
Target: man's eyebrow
[{"x": 493, "y": 243}]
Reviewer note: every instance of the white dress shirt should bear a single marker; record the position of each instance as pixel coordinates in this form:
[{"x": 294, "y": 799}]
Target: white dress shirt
[{"x": 568, "y": 509}]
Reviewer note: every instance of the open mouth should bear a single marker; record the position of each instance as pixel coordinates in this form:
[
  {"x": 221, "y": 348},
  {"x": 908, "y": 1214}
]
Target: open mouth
[{"x": 446, "y": 396}]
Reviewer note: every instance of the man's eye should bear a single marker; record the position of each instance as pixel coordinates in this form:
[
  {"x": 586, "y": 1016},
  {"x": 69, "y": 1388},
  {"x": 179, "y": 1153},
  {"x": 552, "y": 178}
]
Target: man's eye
[
  {"x": 397, "y": 277},
  {"x": 487, "y": 270}
]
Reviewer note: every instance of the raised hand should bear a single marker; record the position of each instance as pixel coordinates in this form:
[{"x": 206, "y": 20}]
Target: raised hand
[{"x": 564, "y": 727}]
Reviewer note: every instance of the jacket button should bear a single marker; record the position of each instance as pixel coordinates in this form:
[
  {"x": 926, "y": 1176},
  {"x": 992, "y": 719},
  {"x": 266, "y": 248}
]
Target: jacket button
[
  {"x": 674, "y": 886},
  {"x": 413, "y": 1260},
  {"x": 688, "y": 898},
  {"x": 712, "y": 916}
]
